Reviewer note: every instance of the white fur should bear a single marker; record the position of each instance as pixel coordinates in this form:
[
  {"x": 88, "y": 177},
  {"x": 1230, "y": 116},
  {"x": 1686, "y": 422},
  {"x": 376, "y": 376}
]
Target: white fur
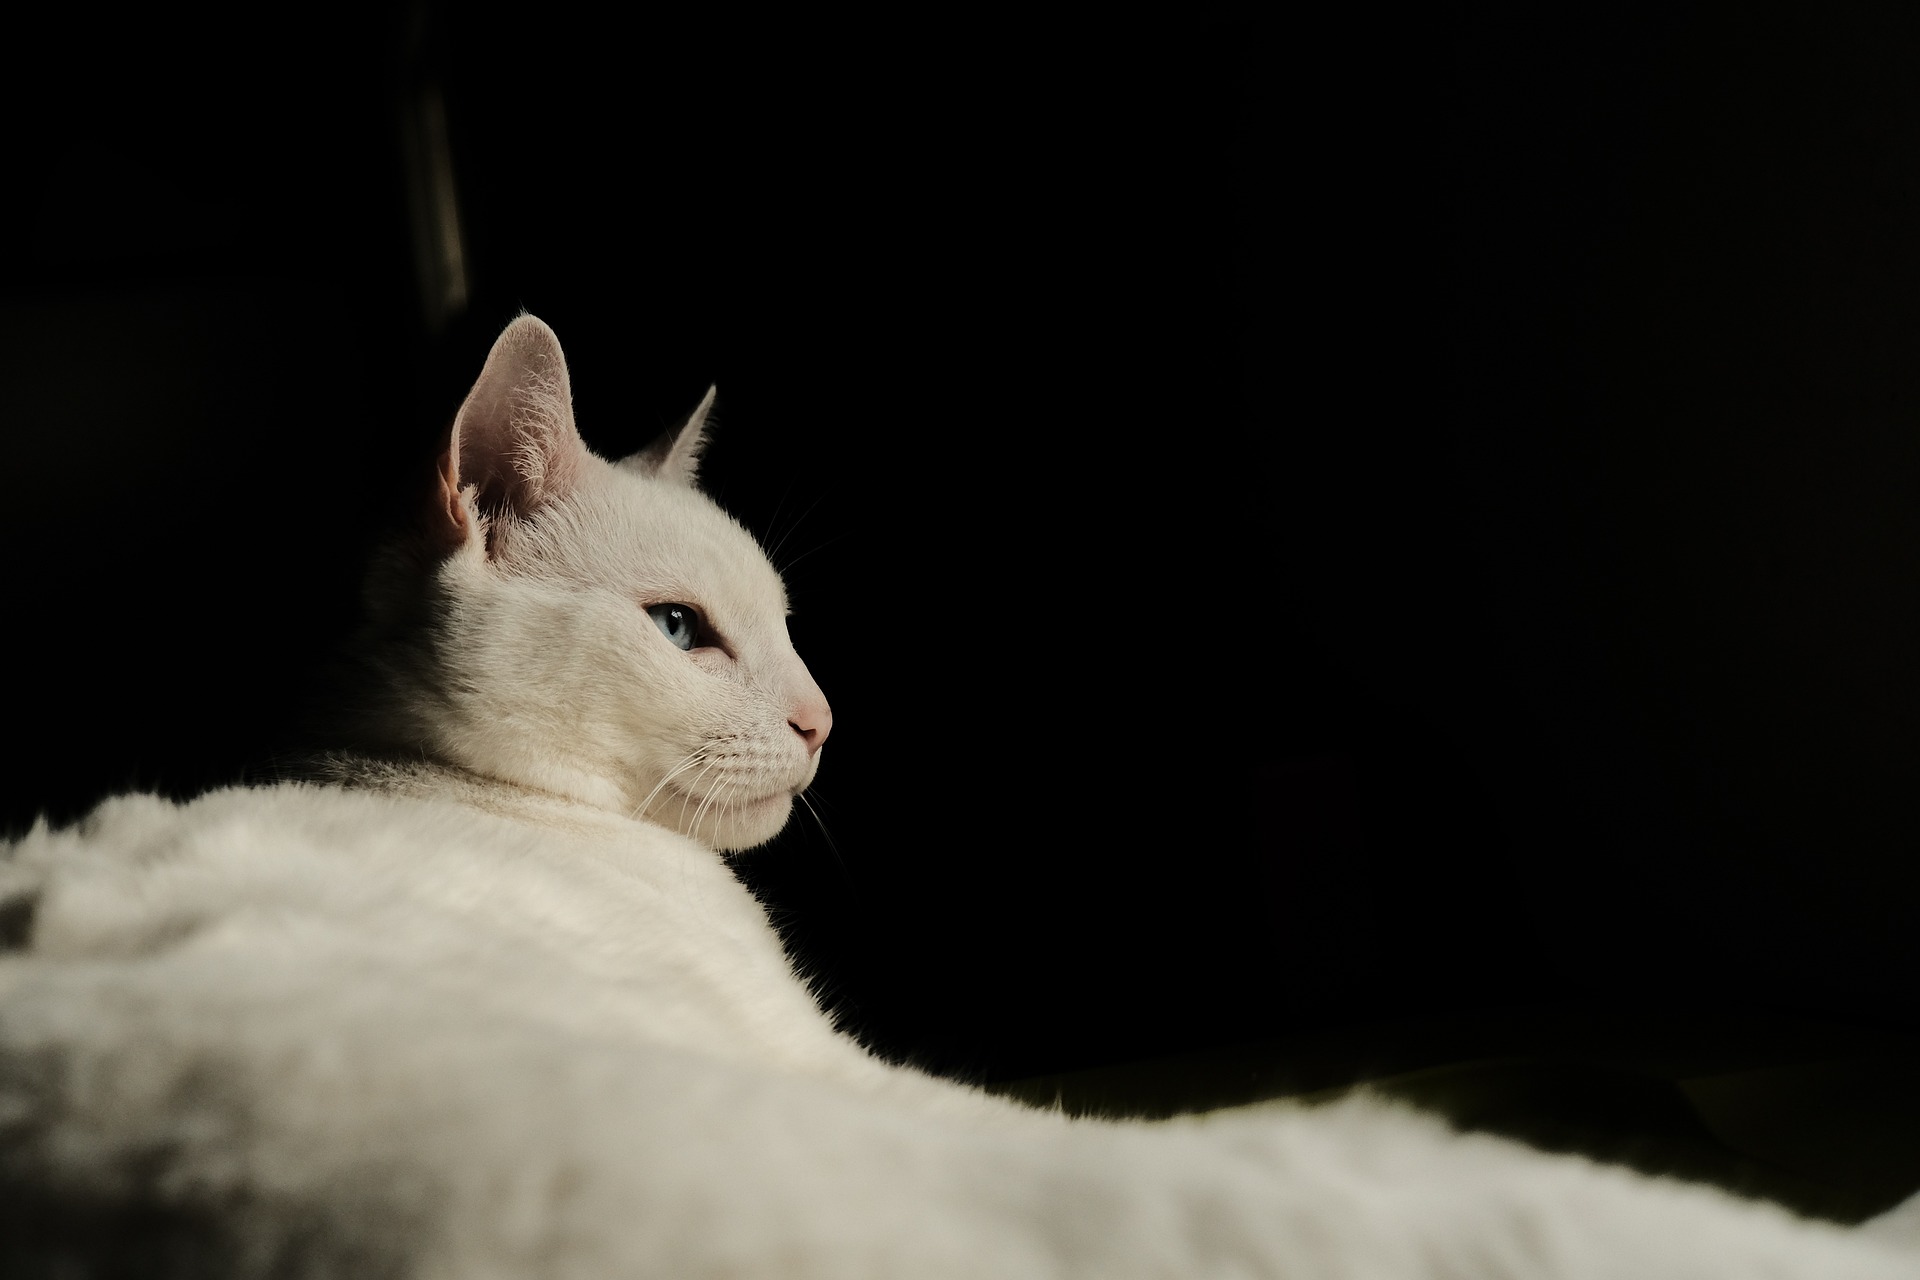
[{"x": 491, "y": 1011}]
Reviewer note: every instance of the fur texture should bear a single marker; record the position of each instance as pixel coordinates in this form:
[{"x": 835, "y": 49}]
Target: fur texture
[{"x": 488, "y": 1004}]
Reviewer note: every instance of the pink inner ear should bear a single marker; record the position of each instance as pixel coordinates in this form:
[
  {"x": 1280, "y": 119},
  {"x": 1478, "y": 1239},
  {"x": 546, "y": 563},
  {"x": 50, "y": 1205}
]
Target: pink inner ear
[
  {"x": 515, "y": 437},
  {"x": 451, "y": 518}
]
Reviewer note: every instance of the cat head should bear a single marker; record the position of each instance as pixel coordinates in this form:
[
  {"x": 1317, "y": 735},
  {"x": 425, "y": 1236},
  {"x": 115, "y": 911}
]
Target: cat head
[{"x": 599, "y": 630}]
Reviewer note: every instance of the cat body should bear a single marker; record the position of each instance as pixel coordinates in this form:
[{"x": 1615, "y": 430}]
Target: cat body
[{"x": 486, "y": 1002}]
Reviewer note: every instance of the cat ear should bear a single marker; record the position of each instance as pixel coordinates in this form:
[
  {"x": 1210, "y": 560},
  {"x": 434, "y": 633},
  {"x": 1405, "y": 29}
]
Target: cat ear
[
  {"x": 676, "y": 454},
  {"x": 513, "y": 445}
]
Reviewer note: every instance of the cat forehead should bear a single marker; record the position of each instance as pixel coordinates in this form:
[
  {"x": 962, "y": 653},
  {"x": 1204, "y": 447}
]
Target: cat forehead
[{"x": 656, "y": 537}]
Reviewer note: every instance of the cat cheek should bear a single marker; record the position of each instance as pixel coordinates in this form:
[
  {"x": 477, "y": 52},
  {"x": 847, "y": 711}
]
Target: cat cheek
[{"x": 712, "y": 661}]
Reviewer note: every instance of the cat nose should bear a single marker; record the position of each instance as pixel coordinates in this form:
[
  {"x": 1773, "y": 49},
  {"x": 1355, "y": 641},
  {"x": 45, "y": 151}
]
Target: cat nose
[{"x": 813, "y": 721}]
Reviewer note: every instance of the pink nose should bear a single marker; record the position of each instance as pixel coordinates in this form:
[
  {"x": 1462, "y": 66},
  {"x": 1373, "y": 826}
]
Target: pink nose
[{"x": 813, "y": 722}]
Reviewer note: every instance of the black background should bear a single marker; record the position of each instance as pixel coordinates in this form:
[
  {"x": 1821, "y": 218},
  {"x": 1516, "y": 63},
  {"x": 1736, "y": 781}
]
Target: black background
[{"x": 1301, "y": 523}]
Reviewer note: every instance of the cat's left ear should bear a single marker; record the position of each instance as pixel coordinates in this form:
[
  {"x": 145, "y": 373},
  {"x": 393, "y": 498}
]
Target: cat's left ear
[{"x": 676, "y": 454}]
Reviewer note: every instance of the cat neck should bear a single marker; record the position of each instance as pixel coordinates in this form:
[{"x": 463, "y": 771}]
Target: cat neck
[{"x": 426, "y": 779}]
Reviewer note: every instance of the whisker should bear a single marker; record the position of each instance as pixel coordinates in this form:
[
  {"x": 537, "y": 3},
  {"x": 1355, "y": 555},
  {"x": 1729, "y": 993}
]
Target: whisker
[
  {"x": 773, "y": 553},
  {"x": 685, "y": 797},
  {"x": 834, "y": 849},
  {"x": 691, "y": 759},
  {"x": 693, "y": 827},
  {"x": 773, "y": 521},
  {"x": 686, "y": 762},
  {"x": 818, "y": 546},
  {"x": 720, "y": 781}
]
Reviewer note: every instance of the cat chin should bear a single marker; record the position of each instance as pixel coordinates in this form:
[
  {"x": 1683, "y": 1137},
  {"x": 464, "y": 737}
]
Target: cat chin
[{"x": 741, "y": 826}]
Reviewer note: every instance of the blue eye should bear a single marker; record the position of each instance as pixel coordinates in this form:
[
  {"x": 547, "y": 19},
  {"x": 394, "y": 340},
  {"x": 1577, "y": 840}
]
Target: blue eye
[{"x": 677, "y": 622}]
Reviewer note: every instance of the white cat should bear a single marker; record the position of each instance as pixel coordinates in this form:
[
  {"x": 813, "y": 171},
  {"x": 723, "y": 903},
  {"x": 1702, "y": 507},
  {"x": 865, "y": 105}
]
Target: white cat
[{"x": 488, "y": 1004}]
